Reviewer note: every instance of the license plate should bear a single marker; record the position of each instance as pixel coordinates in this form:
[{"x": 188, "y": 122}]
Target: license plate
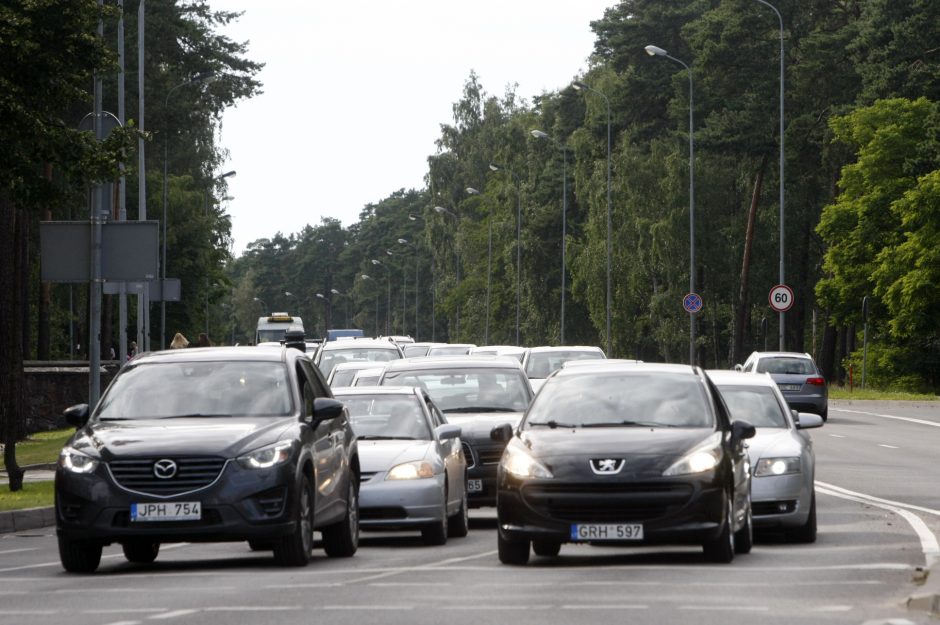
[
  {"x": 474, "y": 486},
  {"x": 176, "y": 511},
  {"x": 790, "y": 387},
  {"x": 596, "y": 531}
]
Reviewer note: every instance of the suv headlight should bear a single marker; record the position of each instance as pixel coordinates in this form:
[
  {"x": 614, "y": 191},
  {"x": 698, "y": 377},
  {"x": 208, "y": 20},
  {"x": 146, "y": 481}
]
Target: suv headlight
[
  {"x": 266, "y": 457},
  {"x": 704, "y": 457},
  {"x": 777, "y": 466},
  {"x": 411, "y": 471},
  {"x": 519, "y": 462},
  {"x": 75, "y": 461}
]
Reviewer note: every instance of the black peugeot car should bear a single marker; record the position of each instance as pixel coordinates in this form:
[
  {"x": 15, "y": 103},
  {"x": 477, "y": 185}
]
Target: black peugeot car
[
  {"x": 209, "y": 445},
  {"x": 625, "y": 454}
]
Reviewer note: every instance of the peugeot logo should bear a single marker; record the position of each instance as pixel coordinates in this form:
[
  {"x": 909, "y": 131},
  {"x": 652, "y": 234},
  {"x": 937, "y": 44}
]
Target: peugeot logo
[
  {"x": 607, "y": 466},
  {"x": 164, "y": 469}
]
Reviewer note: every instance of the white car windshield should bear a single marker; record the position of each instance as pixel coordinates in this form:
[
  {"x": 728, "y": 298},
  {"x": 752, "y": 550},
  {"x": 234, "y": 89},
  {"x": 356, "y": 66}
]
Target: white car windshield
[
  {"x": 378, "y": 417},
  {"x": 755, "y": 404},
  {"x": 542, "y": 364}
]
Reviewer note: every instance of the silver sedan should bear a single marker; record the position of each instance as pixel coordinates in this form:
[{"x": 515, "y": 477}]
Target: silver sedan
[
  {"x": 783, "y": 463},
  {"x": 412, "y": 467}
]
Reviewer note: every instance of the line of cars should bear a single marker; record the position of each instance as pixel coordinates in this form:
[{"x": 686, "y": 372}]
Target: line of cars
[{"x": 229, "y": 444}]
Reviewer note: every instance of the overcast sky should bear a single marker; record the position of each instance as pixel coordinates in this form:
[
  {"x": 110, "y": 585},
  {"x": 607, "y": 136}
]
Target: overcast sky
[{"x": 355, "y": 92}]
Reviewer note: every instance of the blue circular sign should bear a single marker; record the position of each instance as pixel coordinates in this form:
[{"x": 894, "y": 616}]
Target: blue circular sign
[{"x": 692, "y": 303}]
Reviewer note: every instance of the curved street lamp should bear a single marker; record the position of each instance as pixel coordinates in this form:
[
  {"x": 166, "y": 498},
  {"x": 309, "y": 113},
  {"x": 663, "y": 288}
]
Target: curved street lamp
[
  {"x": 414, "y": 249},
  {"x": 580, "y": 86},
  {"x": 329, "y": 311},
  {"x": 368, "y": 277},
  {"x": 515, "y": 178},
  {"x": 657, "y": 51},
  {"x": 444, "y": 211},
  {"x": 489, "y": 267},
  {"x": 388, "y": 287},
  {"x": 345, "y": 297}
]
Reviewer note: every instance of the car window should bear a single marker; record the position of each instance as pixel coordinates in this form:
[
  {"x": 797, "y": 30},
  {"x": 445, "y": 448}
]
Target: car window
[
  {"x": 387, "y": 416},
  {"x": 794, "y": 366},
  {"x": 342, "y": 377},
  {"x": 755, "y": 404},
  {"x": 222, "y": 388},
  {"x": 611, "y": 399},
  {"x": 468, "y": 390},
  {"x": 542, "y": 364},
  {"x": 331, "y": 358}
]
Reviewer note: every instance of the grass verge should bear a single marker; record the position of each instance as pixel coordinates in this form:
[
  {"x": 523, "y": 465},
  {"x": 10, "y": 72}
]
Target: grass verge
[
  {"x": 843, "y": 392},
  {"x": 40, "y": 448},
  {"x": 33, "y": 495}
]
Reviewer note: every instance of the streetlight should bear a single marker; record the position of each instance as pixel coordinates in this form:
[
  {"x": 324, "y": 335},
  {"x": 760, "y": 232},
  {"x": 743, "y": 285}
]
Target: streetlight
[
  {"x": 199, "y": 78},
  {"x": 414, "y": 217},
  {"x": 329, "y": 310},
  {"x": 403, "y": 289},
  {"x": 444, "y": 211},
  {"x": 388, "y": 287},
  {"x": 345, "y": 305},
  {"x": 205, "y": 213},
  {"x": 780, "y": 21},
  {"x": 657, "y": 51},
  {"x": 414, "y": 248},
  {"x": 489, "y": 267},
  {"x": 367, "y": 277},
  {"x": 518, "y": 242},
  {"x": 580, "y": 86},
  {"x": 538, "y": 134}
]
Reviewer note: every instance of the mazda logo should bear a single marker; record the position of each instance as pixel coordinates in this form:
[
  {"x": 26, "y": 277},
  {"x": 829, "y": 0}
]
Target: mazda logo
[
  {"x": 607, "y": 466},
  {"x": 164, "y": 469}
]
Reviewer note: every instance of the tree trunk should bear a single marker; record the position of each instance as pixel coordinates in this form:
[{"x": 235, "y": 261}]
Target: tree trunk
[
  {"x": 45, "y": 297},
  {"x": 12, "y": 278},
  {"x": 741, "y": 312}
]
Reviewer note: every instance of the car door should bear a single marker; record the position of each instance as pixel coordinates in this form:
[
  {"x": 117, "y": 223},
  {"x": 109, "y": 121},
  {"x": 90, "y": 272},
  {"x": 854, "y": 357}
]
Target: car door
[
  {"x": 451, "y": 452},
  {"x": 741, "y": 468},
  {"x": 327, "y": 466}
]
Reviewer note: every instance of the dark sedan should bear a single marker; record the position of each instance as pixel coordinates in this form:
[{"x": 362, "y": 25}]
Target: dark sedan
[
  {"x": 625, "y": 454},
  {"x": 209, "y": 445}
]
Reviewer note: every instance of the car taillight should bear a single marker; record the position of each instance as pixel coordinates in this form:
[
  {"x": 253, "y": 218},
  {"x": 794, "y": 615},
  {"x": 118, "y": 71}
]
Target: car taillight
[{"x": 816, "y": 381}]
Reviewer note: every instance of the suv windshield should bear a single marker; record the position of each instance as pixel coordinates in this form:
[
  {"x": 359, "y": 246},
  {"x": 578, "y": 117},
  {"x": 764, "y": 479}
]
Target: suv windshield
[
  {"x": 598, "y": 399},
  {"x": 167, "y": 390},
  {"x": 468, "y": 390}
]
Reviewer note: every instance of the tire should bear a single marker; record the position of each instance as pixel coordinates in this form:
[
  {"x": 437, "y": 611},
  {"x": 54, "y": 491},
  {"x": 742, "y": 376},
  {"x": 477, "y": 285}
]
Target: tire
[
  {"x": 546, "y": 548},
  {"x": 721, "y": 549},
  {"x": 260, "y": 545},
  {"x": 436, "y": 534},
  {"x": 744, "y": 537},
  {"x": 805, "y": 533},
  {"x": 295, "y": 548},
  {"x": 141, "y": 551},
  {"x": 825, "y": 414},
  {"x": 458, "y": 525},
  {"x": 79, "y": 556},
  {"x": 513, "y": 552},
  {"x": 341, "y": 540}
]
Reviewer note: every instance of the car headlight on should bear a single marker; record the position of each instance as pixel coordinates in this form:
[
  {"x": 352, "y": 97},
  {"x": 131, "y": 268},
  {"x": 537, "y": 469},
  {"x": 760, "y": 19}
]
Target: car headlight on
[
  {"x": 266, "y": 457},
  {"x": 777, "y": 466},
  {"x": 411, "y": 471},
  {"x": 702, "y": 458},
  {"x": 75, "y": 461},
  {"x": 519, "y": 462}
]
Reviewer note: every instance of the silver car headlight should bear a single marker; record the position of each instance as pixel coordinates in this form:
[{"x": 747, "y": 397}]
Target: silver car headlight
[
  {"x": 267, "y": 457},
  {"x": 519, "y": 462},
  {"x": 75, "y": 461},
  {"x": 704, "y": 457},
  {"x": 411, "y": 471},
  {"x": 777, "y": 466}
]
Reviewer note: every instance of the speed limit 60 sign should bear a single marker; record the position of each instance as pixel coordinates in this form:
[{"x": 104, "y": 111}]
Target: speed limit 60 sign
[{"x": 781, "y": 298}]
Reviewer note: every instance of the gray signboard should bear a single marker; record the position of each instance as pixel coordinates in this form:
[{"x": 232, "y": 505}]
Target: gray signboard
[
  {"x": 170, "y": 292},
  {"x": 129, "y": 250}
]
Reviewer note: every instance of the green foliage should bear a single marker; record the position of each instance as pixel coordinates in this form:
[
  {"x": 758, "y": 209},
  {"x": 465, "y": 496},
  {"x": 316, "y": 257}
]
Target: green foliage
[{"x": 32, "y": 495}]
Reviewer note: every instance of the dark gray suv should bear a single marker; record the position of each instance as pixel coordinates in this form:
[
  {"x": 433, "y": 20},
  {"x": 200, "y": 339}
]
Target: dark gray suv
[{"x": 209, "y": 445}]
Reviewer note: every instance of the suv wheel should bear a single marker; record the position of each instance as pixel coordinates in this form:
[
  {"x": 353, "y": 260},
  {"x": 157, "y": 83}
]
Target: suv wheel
[
  {"x": 141, "y": 551},
  {"x": 341, "y": 539},
  {"x": 512, "y": 551},
  {"x": 295, "y": 548},
  {"x": 79, "y": 556}
]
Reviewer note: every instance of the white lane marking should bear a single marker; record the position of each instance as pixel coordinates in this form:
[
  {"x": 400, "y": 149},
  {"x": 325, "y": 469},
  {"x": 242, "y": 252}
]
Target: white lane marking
[
  {"x": 312, "y": 585},
  {"x": 173, "y": 614},
  {"x": 622, "y": 606},
  {"x": 4, "y": 593},
  {"x": 124, "y": 623},
  {"x": 410, "y": 584},
  {"x": 28, "y": 612},
  {"x": 836, "y": 436},
  {"x": 499, "y": 608},
  {"x": 421, "y": 567},
  {"x": 8, "y": 551},
  {"x": 726, "y": 608},
  {"x": 122, "y": 589},
  {"x": 125, "y": 611},
  {"x": 831, "y": 608},
  {"x": 899, "y": 504},
  {"x": 891, "y": 416},
  {"x": 887, "y": 446},
  {"x": 928, "y": 542},
  {"x": 349, "y": 608},
  {"x": 254, "y": 608},
  {"x": 58, "y": 563}
]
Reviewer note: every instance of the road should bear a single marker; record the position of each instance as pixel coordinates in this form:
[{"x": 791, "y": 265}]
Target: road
[{"x": 859, "y": 571}]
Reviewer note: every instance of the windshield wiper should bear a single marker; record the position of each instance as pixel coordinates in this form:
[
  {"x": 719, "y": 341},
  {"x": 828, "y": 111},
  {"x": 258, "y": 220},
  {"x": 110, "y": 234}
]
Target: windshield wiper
[
  {"x": 554, "y": 424},
  {"x": 479, "y": 409},
  {"x": 375, "y": 437},
  {"x": 627, "y": 423}
]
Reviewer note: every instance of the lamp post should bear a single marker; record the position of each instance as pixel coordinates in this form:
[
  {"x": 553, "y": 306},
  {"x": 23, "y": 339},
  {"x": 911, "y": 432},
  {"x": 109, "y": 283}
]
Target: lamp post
[
  {"x": 518, "y": 242},
  {"x": 200, "y": 78},
  {"x": 368, "y": 277},
  {"x": 329, "y": 310},
  {"x": 581, "y": 86},
  {"x": 403, "y": 289},
  {"x": 388, "y": 288},
  {"x": 205, "y": 213},
  {"x": 444, "y": 211},
  {"x": 538, "y": 134},
  {"x": 345, "y": 306},
  {"x": 780, "y": 22},
  {"x": 489, "y": 267},
  {"x": 657, "y": 51},
  {"x": 414, "y": 249},
  {"x": 264, "y": 306}
]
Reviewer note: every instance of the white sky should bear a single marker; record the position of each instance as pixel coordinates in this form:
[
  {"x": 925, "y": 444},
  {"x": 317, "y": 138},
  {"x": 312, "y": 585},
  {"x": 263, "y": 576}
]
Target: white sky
[{"x": 355, "y": 92}]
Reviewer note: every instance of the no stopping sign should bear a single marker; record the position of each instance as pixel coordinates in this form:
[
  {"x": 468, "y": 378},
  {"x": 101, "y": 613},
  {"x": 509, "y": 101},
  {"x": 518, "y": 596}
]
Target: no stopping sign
[{"x": 781, "y": 298}]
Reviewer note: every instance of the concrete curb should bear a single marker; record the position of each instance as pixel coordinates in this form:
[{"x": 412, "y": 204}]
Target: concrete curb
[{"x": 28, "y": 519}]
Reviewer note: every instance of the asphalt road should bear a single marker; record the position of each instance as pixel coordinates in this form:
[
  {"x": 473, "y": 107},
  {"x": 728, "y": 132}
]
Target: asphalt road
[{"x": 859, "y": 571}]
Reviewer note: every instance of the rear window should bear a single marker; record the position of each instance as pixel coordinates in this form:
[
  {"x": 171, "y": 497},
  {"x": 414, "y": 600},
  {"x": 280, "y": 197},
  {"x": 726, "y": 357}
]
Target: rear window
[
  {"x": 790, "y": 366},
  {"x": 756, "y": 405},
  {"x": 542, "y": 364},
  {"x": 333, "y": 357}
]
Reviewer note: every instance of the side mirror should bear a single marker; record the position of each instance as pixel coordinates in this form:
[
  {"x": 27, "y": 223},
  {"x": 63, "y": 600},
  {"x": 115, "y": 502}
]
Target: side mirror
[
  {"x": 741, "y": 430},
  {"x": 76, "y": 415},
  {"x": 806, "y": 420},
  {"x": 325, "y": 408},
  {"x": 447, "y": 431},
  {"x": 501, "y": 433},
  {"x": 738, "y": 368}
]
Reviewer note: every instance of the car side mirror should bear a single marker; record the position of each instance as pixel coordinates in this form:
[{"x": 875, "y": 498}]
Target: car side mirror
[
  {"x": 76, "y": 415},
  {"x": 738, "y": 368},
  {"x": 447, "y": 431},
  {"x": 806, "y": 420},
  {"x": 501, "y": 433},
  {"x": 741, "y": 430},
  {"x": 326, "y": 408}
]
